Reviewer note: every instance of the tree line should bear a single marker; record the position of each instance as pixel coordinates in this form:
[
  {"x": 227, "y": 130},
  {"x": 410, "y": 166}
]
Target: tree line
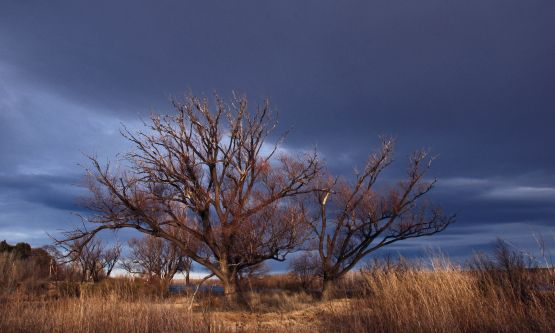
[{"x": 153, "y": 259}]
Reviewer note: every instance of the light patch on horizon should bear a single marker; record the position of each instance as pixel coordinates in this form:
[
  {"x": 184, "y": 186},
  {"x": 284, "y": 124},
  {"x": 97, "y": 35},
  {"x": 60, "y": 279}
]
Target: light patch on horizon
[
  {"x": 465, "y": 182},
  {"x": 26, "y": 236},
  {"x": 524, "y": 187},
  {"x": 525, "y": 193}
]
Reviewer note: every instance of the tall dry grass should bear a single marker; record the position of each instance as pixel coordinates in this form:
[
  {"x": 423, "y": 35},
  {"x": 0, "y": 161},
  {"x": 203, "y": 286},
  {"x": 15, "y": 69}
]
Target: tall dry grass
[
  {"x": 103, "y": 315},
  {"x": 445, "y": 299},
  {"x": 384, "y": 297}
]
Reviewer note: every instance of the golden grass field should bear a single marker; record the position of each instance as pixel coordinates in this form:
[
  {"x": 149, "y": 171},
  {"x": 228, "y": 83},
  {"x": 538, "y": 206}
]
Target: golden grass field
[{"x": 446, "y": 299}]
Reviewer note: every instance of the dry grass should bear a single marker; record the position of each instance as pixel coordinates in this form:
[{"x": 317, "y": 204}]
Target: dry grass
[
  {"x": 102, "y": 315},
  {"x": 443, "y": 300},
  {"x": 393, "y": 299},
  {"x": 272, "y": 313}
]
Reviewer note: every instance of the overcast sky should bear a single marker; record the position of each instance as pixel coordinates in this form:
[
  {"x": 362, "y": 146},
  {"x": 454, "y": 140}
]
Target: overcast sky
[{"x": 473, "y": 80}]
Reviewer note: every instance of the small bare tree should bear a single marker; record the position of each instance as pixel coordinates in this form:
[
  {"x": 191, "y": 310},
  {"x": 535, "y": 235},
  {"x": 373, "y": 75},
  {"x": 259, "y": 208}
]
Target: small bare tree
[
  {"x": 156, "y": 259},
  {"x": 253, "y": 274},
  {"x": 354, "y": 219},
  {"x": 306, "y": 268},
  {"x": 207, "y": 172},
  {"x": 93, "y": 259}
]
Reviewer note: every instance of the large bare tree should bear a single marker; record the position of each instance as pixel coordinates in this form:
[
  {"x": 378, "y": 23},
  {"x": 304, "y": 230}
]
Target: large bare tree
[
  {"x": 207, "y": 172},
  {"x": 356, "y": 218}
]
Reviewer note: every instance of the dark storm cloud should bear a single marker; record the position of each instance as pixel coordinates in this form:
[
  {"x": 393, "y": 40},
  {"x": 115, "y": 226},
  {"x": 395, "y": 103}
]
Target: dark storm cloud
[
  {"x": 478, "y": 72},
  {"x": 472, "y": 80}
]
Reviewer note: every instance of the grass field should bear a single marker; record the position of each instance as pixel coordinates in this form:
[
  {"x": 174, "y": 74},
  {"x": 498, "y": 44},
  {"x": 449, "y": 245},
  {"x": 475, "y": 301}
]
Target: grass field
[{"x": 399, "y": 298}]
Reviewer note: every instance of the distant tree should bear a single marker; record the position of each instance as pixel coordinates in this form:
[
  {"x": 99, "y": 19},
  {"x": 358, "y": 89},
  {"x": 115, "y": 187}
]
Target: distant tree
[
  {"x": 306, "y": 267},
  {"x": 353, "y": 219},
  {"x": 156, "y": 259},
  {"x": 23, "y": 267},
  {"x": 56, "y": 265},
  {"x": 93, "y": 259},
  {"x": 20, "y": 250},
  {"x": 253, "y": 273},
  {"x": 208, "y": 172},
  {"x": 5, "y": 247},
  {"x": 109, "y": 259},
  {"x": 41, "y": 260}
]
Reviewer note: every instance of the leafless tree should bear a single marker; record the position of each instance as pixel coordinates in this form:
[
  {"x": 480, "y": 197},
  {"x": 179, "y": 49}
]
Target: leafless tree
[
  {"x": 252, "y": 274},
  {"x": 306, "y": 267},
  {"x": 354, "y": 219},
  {"x": 156, "y": 259},
  {"x": 207, "y": 172},
  {"x": 93, "y": 259}
]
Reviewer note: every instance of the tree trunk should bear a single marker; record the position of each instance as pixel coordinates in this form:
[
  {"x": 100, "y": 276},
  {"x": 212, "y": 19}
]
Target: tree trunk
[
  {"x": 230, "y": 290},
  {"x": 327, "y": 288},
  {"x": 187, "y": 280},
  {"x": 230, "y": 282},
  {"x": 164, "y": 286}
]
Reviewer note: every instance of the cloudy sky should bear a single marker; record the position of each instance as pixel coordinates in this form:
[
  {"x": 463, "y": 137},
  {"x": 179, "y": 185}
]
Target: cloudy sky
[{"x": 472, "y": 80}]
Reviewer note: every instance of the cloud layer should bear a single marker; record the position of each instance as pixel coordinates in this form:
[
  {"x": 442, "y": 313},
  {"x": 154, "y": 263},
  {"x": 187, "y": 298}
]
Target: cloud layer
[{"x": 472, "y": 80}]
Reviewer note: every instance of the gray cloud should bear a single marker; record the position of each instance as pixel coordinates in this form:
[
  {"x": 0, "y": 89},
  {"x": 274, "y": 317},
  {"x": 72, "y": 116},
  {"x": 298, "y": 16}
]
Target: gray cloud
[{"x": 55, "y": 192}]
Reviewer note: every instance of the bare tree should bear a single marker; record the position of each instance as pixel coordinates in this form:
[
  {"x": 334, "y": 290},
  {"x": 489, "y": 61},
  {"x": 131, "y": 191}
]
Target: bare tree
[
  {"x": 109, "y": 259},
  {"x": 156, "y": 259},
  {"x": 354, "y": 219},
  {"x": 93, "y": 259},
  {"x": 306, "y": 268},
  {"x": 207, "y": 172},
  {"x": 252, "y": 274}
]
